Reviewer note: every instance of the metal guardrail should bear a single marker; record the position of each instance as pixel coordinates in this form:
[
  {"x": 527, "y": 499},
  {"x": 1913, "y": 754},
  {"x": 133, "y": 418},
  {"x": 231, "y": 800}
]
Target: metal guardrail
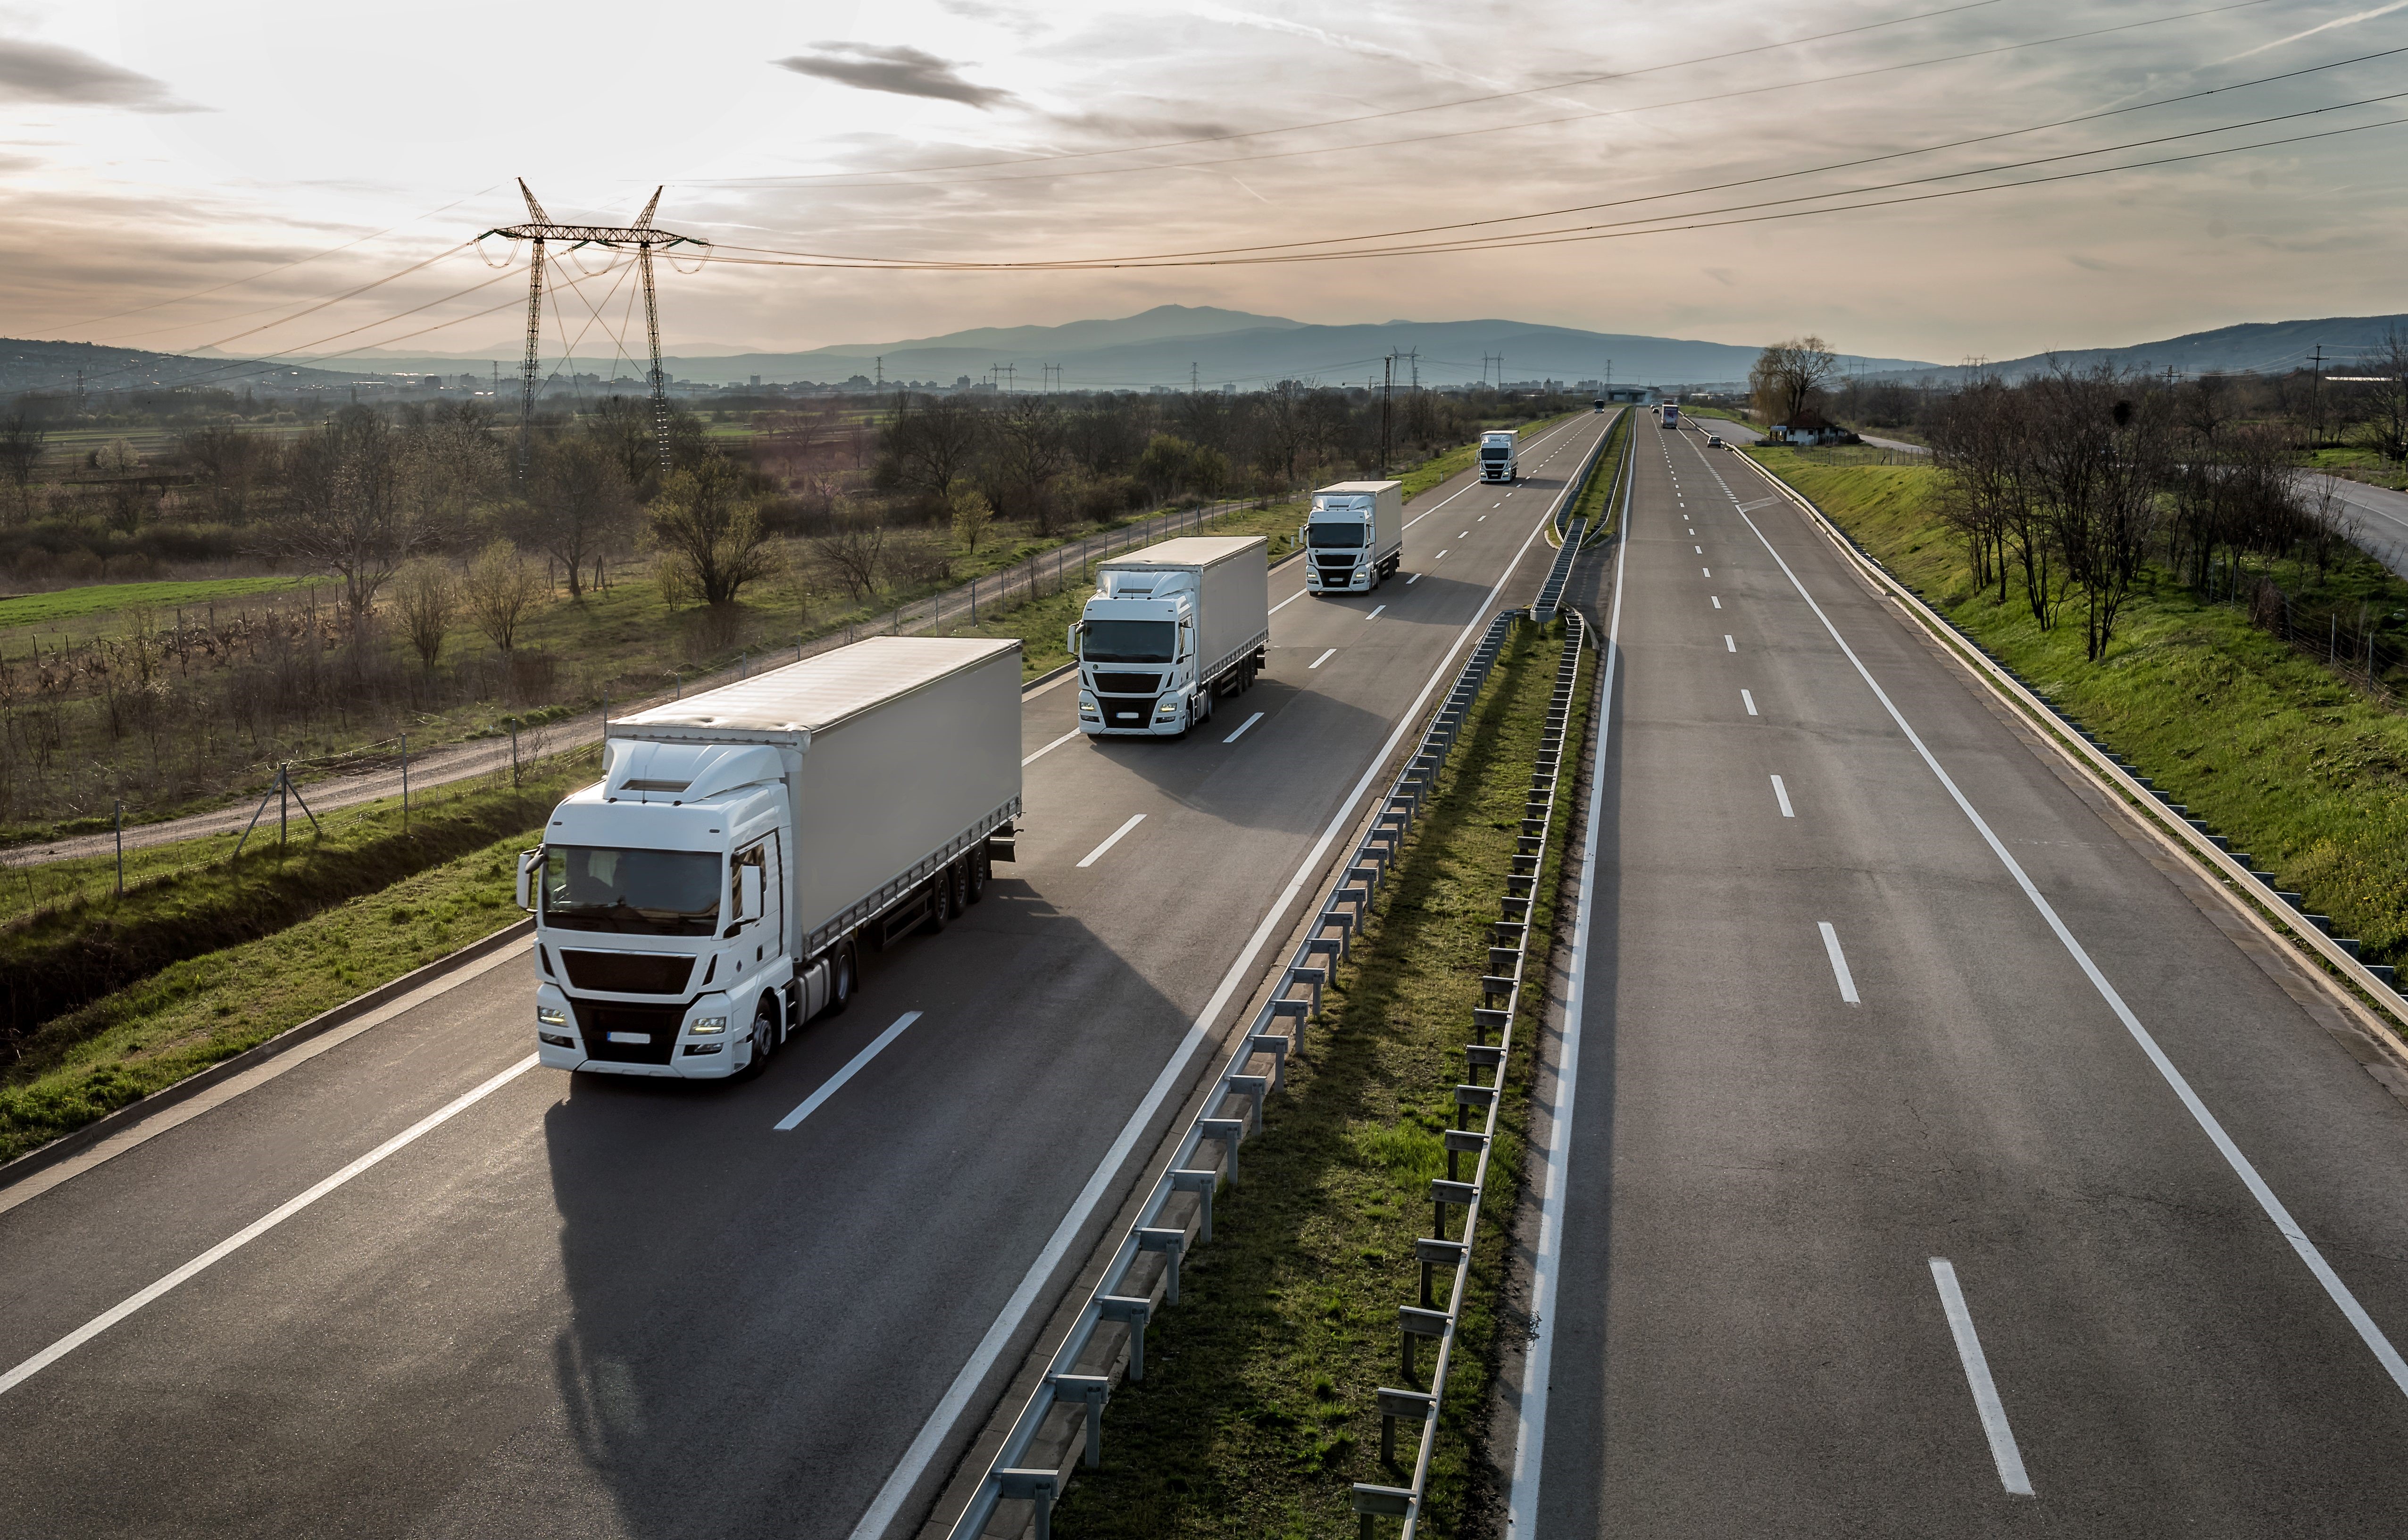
[
  {"x": 2379, "y": 984},
  {"x": 1060, "y": 1428},
  {"x": 1500, "y": 990},
  {"x": 1551, "y": 592}
]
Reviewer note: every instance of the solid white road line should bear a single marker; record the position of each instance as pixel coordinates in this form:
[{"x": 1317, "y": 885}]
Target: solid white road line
[
  {"x": 1838, "y": 963},
  {"x": 1747, "y": 699},
  {"x": 2008, "y": 1458},
  {"x": 1728, "y": 645},
  {"x": 1049, "y": 748},
  {"x": 1285, "y": 602},
  {"x": 257, "y": 1228},
  {"x": 1530, "y": 1446},
  {"x": 1111, "y": 840},
  {"x": 2337, "y": 1291},
  {"x": 1780, "y": 793},
  {"x": 1414, "y": 579},
  {"x": 1375, "y": 614},
  {"x": 909, "y": 1471},
  {"x": 1323, "y": 659},
  {"x": 834, "y": 1083},
  {"x": 1242, "y": 726}
]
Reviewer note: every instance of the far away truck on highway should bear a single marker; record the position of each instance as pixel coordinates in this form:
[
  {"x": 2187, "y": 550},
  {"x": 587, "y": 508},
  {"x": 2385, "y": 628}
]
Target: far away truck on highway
[
  {"x": 710, "y": 893},
  {"x": 1356, "y": 536},
  {"x": 1167, "y": 629},
  {"x": 1499, "y": 449}
]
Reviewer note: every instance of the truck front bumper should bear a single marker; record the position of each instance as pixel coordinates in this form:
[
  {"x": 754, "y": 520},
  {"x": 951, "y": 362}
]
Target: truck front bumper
[
  {"x": 1121, "y": 716},
  {"x": 715, "y": 1056},
  {"x": 1357, "y": 582}
]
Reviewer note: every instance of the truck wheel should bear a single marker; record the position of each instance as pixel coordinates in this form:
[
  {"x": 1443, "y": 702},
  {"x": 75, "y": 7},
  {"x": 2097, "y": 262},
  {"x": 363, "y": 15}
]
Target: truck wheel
[
  {"x": 975, "y": 874},
  {"x": 940, "y": 902},
  {"x": 764, "y": 1037},
  {"x": 843, "y": 977}
]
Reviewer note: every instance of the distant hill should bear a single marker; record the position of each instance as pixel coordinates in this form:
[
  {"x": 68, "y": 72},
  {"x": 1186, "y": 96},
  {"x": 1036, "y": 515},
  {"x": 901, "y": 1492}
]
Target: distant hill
[
  {"x": 29, "y": 366},
  {"x": 2265, "y": 347}
]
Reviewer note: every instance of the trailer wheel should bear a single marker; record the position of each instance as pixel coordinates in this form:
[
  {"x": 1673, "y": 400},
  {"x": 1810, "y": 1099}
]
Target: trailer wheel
[
  {"x": 842, "y": 978},
  {"x": 940, "y": 902},
  {"x": 976, "y": 873}
]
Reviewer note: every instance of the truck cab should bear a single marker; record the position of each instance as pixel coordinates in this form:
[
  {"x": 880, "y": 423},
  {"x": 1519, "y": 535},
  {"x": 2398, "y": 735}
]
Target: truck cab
[
  {"x": 1136, "y": 647},
  {"x": 1355, "y": 537},
  {"x": 1498, "y": 454},
  {"x": 660, "y": 919}
]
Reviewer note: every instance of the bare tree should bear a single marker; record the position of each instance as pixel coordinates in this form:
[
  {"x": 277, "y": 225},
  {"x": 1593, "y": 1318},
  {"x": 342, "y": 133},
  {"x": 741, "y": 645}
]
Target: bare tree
[
  {"x": 2386, "y": 402},
  {"x": 711, "y": 531},
  {"x": 1975, "y": 442},
  {"x": 348, "y": 515},
  {"x": 502, "y": 589},
  {"x": 1788, "y": 375},
  {"x": 21, "y": 442},
  {"x": 931, "y": 440},
  {"x": 428, "y": 598},
  {"x": 1031, "y": 452},
  {"x": 577, "y": 504},
  {"x": 853, "y": 547},
  {"x": 228, "y": 464}
]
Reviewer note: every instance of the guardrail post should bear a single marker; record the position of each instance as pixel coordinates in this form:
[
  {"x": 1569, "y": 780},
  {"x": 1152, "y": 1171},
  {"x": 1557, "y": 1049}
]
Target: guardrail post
[
  {"x": 1431, "y": 1254},
  {"x": 1132, "y": 1313},
  {"x": 1381, "y": 1502},
  {"x": 1092, "y": 1388},
  {"x": 1400, "y": 1404},
  {"x": 1444, "y": 1192},
  {"x": 1412, "y": 1323},
  {"x": 1275, "y": 1045},
  {"x": 1041, "y": 1487},
  {"x": 1228, "y": 1131},
  {"x": 1461, "y": 1142},
  {"x": 1173, "y": 1245}
]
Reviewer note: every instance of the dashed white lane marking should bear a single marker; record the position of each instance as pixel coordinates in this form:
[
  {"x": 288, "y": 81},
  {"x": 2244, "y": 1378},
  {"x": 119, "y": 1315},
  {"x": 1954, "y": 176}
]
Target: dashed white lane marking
[
  {"x": 1838, "y": 963},
  {"x": 1707, "y": 570},
  {"x": 2004, "y": 1452},
  {"x": 1747, "y": 699},
  {"x": 1285, "y": 602},
  {"x": 1463, "y": 534},
  {"x": 1728, "y": 645},
  {"x": 1414, "y": 579},
  {"x": 1701, "y": 551},
  {"x": 1375, "y": 614},
  {"x": 853, "y": 1066},
  {"x": 1242, "y": 726},
  {"x": 1049, "y": 748},
  {"x": 1718, "y": 603},
  {"x": 1442, "y": 556},
  {"x": 1323, "y": 659},
  {"x": 1111, "y": 840},
  {"x": 1781, "y": 795}
]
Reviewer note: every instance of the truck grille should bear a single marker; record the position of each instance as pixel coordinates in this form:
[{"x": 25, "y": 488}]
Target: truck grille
[
  {"x": 628, "y": 972},
  {"x": 657, "y": 1024},
  {"x": 1128, "y": 684},
  {"x": 1337, "y": 566},
  {"x": 1125, "y": 711}
]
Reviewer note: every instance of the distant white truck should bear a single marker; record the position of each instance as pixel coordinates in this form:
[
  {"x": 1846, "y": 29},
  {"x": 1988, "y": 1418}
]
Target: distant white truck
[
  {"x": 710, "y": 892},
  {"x": 1169, "y": 627},
  {"x": 1356, "y": 535},
  {"x": 1499, "y": 454},
  {"x": 1671, "y": 415}
]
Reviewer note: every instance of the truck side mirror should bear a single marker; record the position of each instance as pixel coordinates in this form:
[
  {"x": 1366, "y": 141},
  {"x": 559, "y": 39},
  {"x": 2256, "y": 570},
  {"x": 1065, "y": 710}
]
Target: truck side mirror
[
  {"x": 1071, "y": 640},
  {"x": 529, "y": 861},
  {"x": 748, "y": 894}
]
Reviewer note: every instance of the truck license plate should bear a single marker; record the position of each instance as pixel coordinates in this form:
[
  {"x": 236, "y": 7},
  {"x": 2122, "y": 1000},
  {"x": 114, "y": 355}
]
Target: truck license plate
[{"x": 640, "y": 1039}]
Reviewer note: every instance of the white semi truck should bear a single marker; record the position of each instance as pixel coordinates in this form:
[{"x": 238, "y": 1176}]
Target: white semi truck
[
  {"x": 1499, "y": 454},
  {"x": 710, "y": 892},
  {"x": 1167, "y": 629},
  {"x": 1356, "y": 536}
]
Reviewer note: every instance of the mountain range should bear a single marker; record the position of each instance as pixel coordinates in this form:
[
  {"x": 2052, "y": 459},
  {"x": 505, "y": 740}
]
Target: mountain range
[{"x": 1171, "y": 345}]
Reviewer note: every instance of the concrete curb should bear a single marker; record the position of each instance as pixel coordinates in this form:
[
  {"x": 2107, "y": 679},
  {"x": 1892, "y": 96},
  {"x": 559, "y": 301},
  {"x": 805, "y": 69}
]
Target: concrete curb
[
  {"x": 91, "y": 1133},
  {"x": 2364, "y": 989}
]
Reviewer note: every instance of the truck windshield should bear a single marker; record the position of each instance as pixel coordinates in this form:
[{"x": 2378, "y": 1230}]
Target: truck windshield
[
  {"x": 643, "y": 892},
  {"x": 1338, "y": 535},
  {"x": 1495, "y": 452},
  {"x": 1129, "y": 641}
]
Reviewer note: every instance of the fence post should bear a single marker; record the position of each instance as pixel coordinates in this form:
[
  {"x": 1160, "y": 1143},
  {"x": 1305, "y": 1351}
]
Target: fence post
[
  {"x": 117, "y": 812},
  {"x": 404, "y": 781},
  {"x": 514, "y": 751},
  {"x": 283, "y": 788}
]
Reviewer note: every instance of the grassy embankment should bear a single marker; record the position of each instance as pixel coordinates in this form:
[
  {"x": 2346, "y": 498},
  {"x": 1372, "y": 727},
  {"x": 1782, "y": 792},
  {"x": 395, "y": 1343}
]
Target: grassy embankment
[
  {"x": 2271, "y": 748},
  {"x": 1595, "y": 494},
  {"x": 330, "y": 918},
  {"x": 1257, "y": 1410}
]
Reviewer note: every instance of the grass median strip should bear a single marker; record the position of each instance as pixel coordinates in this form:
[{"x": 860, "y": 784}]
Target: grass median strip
[{"x": 1258, "y": 1412}]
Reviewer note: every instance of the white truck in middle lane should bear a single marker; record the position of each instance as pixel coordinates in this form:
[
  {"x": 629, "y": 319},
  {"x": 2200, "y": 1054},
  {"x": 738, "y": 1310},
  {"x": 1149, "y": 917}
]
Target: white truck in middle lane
[
  {"x": 1356, "y": 536},
  {"x": 1499, "y": 454},
  {"x": 1167, "y": 629}
]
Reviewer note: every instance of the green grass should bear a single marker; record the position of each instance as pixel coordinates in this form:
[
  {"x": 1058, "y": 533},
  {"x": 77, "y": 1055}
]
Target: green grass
[
  {"x": 1258, "y": 1412},
  {"x": 1598, "y": 488},
  {"x": 202, "y": 1010},
  {"x": 103, "y": 598},
  {"x": 2290, "y": 761}
]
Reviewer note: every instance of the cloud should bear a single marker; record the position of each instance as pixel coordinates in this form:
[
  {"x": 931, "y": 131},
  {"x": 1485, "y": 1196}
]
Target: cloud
[
  {"x": 901, "y": 69},
  {"x": 50, "y": 72}
]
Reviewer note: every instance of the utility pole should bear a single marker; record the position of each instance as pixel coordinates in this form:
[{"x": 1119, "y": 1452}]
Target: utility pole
[
  {"x": 1191, "y": 377},
  {"x": 1387, "y": 396},
  {"x": 540, "y": 228},
  {"x": 2316, "y": 399},
  {"x": 881, "y": 371}
]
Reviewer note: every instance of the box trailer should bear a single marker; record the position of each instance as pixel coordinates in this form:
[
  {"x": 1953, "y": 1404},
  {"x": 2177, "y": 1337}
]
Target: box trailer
[{"x": 710, "y": 892}]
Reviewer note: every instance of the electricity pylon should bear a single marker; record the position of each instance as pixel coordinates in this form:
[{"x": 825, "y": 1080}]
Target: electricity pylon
[{"x": 641, "y": 235}]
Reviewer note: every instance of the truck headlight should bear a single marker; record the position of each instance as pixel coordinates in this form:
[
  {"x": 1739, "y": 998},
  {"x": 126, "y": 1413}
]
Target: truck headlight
[
  {"x": 1168, "y": 708},
  {"x": 1087, "y": 706},
  {"x": 551, "y": 1016},
  {"x": 705, "y": 1026}
]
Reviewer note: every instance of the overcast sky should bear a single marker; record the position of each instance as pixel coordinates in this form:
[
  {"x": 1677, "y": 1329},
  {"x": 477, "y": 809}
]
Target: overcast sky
[{"x": 153, "y": 149}]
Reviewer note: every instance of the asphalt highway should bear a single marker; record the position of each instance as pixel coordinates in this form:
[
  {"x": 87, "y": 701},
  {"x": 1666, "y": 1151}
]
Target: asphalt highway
[
  {"x": 409, "y": 1286},
  {"x": 1873, "y": 1215}
]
